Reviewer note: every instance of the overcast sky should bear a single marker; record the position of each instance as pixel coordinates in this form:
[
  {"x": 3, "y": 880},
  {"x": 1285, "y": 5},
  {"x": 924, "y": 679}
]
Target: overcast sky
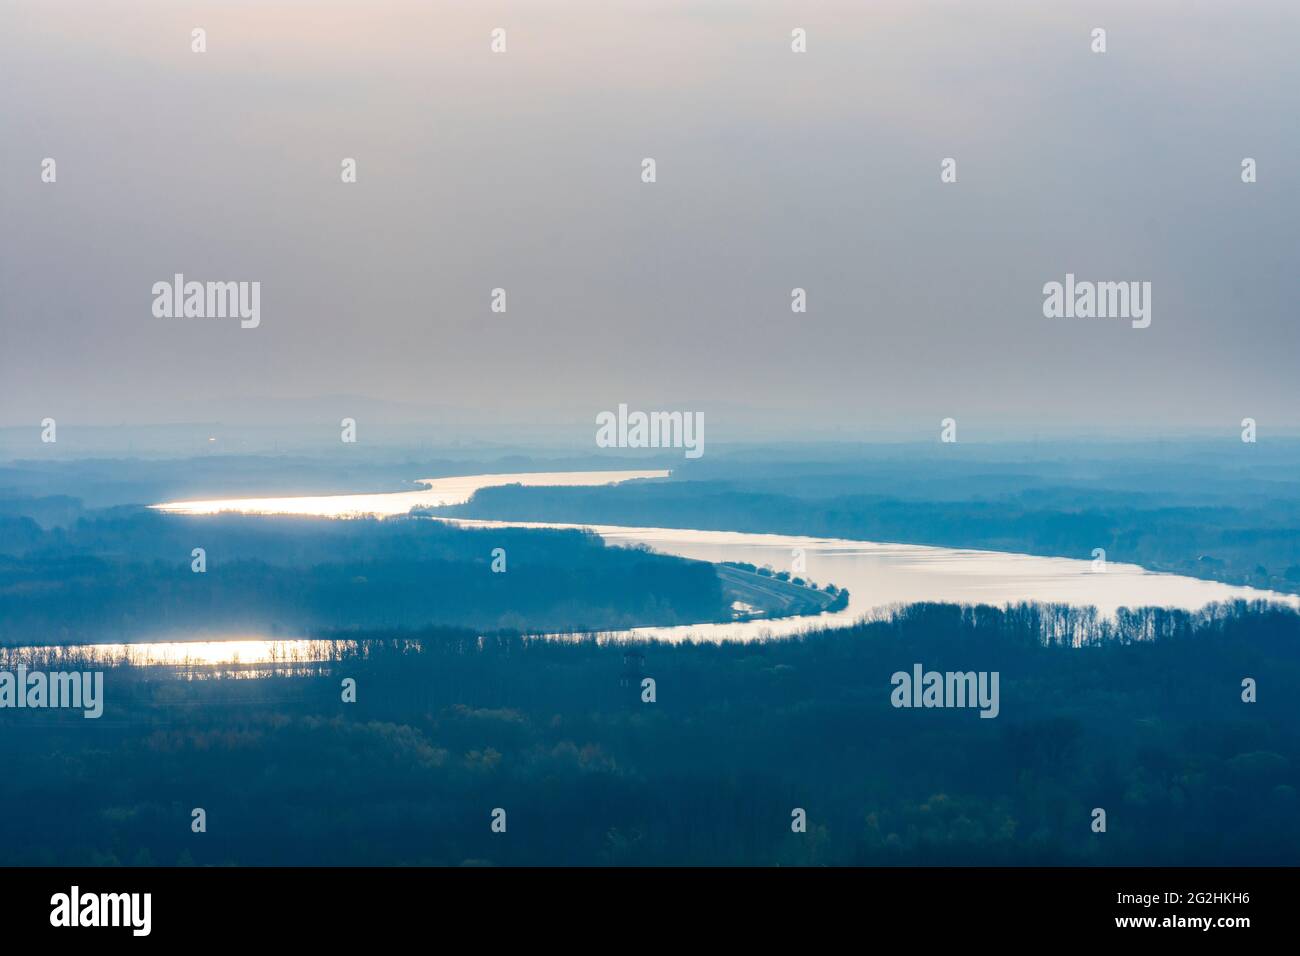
[{"x": 775, "y": 170}]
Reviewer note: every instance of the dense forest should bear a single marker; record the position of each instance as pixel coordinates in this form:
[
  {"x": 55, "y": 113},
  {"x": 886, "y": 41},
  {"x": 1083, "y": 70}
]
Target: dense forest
[
  {"x": 1143, "y": 718},
  {"x": 459, "y": 711},
  {"x": 128, "y": 573}
]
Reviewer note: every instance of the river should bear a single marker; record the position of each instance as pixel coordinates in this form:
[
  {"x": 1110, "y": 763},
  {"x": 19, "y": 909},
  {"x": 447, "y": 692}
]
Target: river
[{"x": 877, "y": 575}]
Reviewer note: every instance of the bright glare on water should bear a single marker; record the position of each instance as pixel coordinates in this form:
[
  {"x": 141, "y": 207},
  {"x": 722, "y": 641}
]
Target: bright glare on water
[
  {"x": 877, "y": 575},
  {"x": 438, "y": 492}
]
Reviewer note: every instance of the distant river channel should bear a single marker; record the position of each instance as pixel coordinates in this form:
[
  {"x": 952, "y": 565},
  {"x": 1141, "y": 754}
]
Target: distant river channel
[{"x": 878, "y": 575}]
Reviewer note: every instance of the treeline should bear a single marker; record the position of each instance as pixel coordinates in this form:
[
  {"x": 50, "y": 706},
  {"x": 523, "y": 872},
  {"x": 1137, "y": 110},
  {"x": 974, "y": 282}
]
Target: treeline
[
  {"x": 768, "y": 571},
  {"x": 1147, "y": 722},
  {"x": 129, "y": 573}
]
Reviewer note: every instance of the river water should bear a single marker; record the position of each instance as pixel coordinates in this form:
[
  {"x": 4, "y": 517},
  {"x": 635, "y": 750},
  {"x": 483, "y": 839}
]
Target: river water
[{"x": 877, "y": 575}]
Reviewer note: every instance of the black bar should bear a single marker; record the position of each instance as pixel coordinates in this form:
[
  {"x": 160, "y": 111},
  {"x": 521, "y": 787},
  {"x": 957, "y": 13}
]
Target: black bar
[{"x": 210, "y": 905}]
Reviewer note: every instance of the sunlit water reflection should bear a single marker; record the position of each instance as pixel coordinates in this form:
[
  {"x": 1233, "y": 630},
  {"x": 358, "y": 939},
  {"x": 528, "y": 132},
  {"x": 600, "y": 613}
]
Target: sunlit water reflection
[
  {"x": 878, "y": 576},
  {"x": 437, "y": 493}
]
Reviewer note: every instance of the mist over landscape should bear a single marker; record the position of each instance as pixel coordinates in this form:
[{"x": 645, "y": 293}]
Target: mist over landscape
[
  {"x": 776, "y": 170},
  {"x": 629, "y": 434}
]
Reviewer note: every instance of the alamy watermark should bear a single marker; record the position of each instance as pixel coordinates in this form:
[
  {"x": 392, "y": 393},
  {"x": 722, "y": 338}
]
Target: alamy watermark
[
  {"x": 922, "y": 688},
  {"x": 76, "y": 908},
  {"x": 626, "y": 429},
  {"x": 1100, "y": 300},
  {"x": 179, "y": 299},
  {"x": 84, "y": 690}
]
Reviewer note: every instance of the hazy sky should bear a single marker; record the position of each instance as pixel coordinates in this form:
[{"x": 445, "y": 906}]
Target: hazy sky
[{"x": 775, "y": 170}]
